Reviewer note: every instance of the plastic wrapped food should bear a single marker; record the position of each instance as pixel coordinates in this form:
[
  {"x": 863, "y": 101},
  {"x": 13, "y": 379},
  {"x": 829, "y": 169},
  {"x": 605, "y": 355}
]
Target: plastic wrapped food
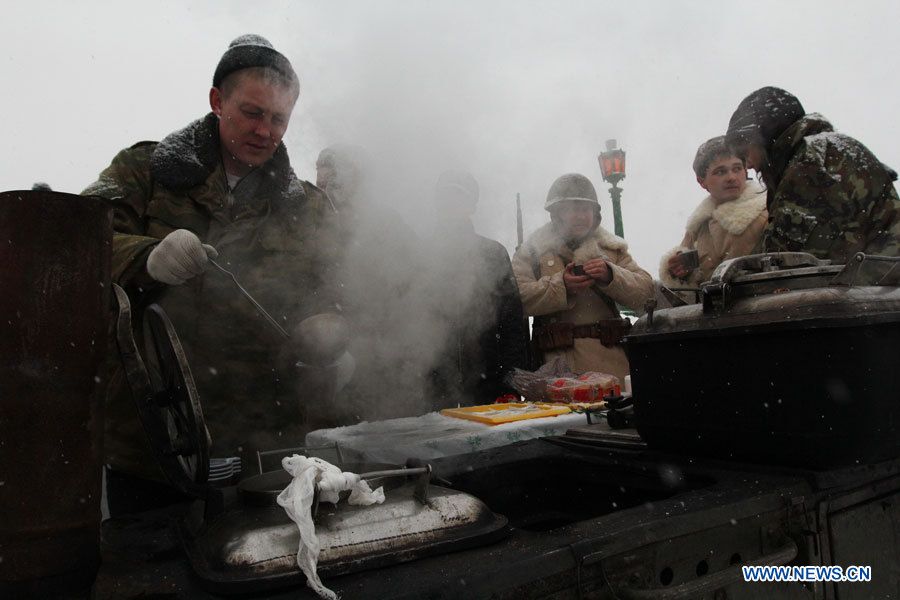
[
  {"x": 586, "y": 388},
  {"x": 603, "y": 384}
]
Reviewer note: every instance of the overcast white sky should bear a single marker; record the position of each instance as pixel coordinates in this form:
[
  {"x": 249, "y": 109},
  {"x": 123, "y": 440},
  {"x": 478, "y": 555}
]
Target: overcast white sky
[{"x": 517, "y": 92}]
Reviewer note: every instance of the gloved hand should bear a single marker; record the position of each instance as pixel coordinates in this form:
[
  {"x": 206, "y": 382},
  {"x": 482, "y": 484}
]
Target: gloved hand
[{"x": 178, "y": 257}]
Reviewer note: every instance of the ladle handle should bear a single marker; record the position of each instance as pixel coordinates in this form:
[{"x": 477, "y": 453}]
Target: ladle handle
[
  {"x": 256, "y": 304},
  {"x": 420, "y": 493}
]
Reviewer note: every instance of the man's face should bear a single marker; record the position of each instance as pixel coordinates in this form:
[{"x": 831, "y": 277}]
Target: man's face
[
  {"x": 726, "y": 179},
  {"x": 252, "y": 120},
  {"x": 576, "y": 218},
  {"x": 756, "y": 157},
  {"x": 340, "y": 179},
  {"x": 326, "y": 173},
  {"x": 454, "y": 203}
]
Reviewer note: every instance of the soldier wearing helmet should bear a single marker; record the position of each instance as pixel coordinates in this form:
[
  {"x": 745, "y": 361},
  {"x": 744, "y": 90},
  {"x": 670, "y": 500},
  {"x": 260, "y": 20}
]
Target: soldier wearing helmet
[{"x": 571, "y": 275}]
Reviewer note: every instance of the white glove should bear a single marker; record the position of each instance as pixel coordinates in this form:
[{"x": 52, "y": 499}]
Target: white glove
[{"x": 178, "y": 257}]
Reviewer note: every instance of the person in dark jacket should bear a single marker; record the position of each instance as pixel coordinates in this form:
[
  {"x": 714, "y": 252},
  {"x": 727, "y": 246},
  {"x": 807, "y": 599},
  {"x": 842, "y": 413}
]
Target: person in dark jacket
[
  {"x": 376, "y": 272},
  {"x": 827, "y": 194},
  {"x": 475, "y": 302},
  {"x": 223, "y": 188}
]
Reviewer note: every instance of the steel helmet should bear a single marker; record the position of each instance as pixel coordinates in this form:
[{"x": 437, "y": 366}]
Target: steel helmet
[{"x": 571, "y": 186}]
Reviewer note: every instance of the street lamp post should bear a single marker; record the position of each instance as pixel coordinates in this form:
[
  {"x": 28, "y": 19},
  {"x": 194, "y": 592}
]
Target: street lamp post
[{"x": 612, "y": 165}]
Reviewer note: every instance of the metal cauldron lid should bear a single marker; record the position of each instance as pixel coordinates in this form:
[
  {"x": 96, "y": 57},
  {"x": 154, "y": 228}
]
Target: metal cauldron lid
[
  {"x": 166, "y": 397},
  {"x": 762, "y": 267},
  {"x": 761, "y": 274}
]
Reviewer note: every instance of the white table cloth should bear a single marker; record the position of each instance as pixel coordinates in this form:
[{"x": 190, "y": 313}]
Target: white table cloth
[{"x": 433, "y": 436}]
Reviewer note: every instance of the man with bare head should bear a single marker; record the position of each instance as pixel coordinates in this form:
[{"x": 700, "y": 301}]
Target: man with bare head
[
  {"x": 728, "y": 223},
  {"x": 222, "y": 188}
]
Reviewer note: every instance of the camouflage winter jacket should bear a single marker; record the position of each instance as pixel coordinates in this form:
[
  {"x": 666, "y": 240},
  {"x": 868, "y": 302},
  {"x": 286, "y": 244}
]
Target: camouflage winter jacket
[
  {"x": 273, "y": 231},
  {"x": 832, "y": 197}
]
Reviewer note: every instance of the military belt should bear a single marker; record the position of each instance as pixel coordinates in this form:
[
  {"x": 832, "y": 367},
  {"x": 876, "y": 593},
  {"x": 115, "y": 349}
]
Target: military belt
[{"x": 557, "y": 336}]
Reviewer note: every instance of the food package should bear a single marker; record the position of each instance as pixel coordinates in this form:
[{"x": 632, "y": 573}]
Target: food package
[{"x": 586, "y": 388}]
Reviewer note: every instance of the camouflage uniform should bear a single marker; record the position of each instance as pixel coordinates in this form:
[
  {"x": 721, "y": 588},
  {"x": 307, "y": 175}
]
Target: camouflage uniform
[
  {"x": 833, "y": 198},
  {"x": 273, "y": 231}
]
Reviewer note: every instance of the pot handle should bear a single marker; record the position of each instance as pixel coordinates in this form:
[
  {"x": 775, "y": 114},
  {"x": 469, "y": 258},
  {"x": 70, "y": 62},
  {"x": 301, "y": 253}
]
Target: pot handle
[
  {"x": 304, "y": 450},
  {"x": 710, "y": 583},
  {"x": 848, "y": 276},
  {"x": 420, "y": 492},
  {"x": 424, "y": 473},
  {"x": 714, "y": 293},
  {"x": 760, "y": 263}
]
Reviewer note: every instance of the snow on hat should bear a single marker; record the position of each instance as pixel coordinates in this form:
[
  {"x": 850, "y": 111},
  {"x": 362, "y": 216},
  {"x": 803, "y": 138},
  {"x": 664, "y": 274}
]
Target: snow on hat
[
  {"x": 251, "y": 50},
  {"x": 763, "y": 116}
]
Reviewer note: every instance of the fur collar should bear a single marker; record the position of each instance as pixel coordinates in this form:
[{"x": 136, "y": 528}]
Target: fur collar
[
  {"x": 734, "y": 216},
  {"x": 187, "y": 157},
  {"x": 546, "y": 239}
]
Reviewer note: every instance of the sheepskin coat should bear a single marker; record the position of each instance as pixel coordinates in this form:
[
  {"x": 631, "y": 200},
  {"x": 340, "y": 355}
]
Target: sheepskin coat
[
  {"x": 719, "y": 233},
  {"x": 539, "y": 265}
]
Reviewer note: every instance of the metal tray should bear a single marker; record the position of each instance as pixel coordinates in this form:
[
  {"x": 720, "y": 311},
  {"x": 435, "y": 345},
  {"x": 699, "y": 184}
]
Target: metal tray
[{"x": 254, "y": 549}]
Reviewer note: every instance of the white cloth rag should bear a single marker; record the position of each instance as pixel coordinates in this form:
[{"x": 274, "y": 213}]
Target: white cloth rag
[{"x": 297, "y": 498}]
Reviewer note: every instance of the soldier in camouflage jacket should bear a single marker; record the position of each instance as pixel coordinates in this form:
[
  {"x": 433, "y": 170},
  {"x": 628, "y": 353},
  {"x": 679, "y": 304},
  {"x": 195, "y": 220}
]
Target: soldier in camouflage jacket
[
  {"x": 827, "y": 193},
  {"x": 272, "y": 230}
]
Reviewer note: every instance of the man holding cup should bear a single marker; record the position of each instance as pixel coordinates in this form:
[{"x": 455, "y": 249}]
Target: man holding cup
[{"x": 728, "y": 223}]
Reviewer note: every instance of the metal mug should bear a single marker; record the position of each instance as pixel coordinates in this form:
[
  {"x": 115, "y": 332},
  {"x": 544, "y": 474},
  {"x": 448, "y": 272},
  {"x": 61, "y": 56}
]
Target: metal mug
[{"x": 690, "y": 259}]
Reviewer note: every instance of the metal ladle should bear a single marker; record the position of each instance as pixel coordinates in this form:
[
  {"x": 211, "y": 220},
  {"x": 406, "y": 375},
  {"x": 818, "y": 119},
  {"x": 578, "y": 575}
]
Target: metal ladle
[{"x": 256, "y": 304}]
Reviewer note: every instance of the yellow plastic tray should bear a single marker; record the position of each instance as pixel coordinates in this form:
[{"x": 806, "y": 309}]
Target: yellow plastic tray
[{"x": 495, "y": 414}]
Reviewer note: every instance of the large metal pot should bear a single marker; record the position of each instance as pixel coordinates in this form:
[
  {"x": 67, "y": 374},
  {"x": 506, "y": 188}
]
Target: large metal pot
[
  {"x": 54, "y": 308},
  {"x": 789, "y": 360}
]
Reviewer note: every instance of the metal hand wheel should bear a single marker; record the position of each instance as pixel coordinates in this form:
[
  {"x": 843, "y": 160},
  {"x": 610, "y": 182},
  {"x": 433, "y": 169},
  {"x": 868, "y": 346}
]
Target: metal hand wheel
[{"x": 166, "y": 397}]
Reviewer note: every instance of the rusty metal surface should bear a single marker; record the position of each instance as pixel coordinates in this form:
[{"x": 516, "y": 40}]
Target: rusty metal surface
[{"x": 54, "y": 310}]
